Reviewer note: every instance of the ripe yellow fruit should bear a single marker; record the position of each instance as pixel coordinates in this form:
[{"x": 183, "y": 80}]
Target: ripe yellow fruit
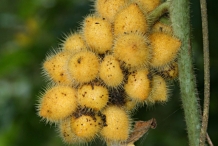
[
  {"x": 132, "y": 49},
  {"x": 66, "y": 133},
  {"x": 118, "y": 124},
  {"x": 159, "y": 91},
  {"x": 55, "y": 68},
  {"x": 130, "y": 104},
  {"x": 130, "y": 19},
  {"x": 110, "y": 71},
  {"x": 138, "y": 85},
  {"x": 165, "y": 48},
  {"x": 74, "y": 43},
  {"x": 93, "y": 96},
  {"x": 98, "y": 34},
  {"x": 86, "y": 127},
  {"x": 57, "y": 103},
  {"x": 83, "y": 66},
  {"x": 108, "y": 9},
  {"x": 148, "y": 5}
]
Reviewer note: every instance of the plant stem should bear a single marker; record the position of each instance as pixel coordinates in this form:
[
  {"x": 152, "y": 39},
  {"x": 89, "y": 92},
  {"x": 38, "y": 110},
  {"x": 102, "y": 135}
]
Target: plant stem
[
  {"x": 180, "y": 13},
  {"x": 206, "y": 73}
]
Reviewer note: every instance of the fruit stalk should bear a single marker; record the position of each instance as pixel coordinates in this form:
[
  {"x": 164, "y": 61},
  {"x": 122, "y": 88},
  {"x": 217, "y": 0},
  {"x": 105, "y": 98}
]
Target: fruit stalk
[{"x": 180, "y": 17}]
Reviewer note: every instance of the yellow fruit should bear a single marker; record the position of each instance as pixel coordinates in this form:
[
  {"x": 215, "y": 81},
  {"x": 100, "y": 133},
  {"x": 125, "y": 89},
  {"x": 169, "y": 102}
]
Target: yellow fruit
[
  {"x": 132, "y": 49},
  {"x": 118, "y": 124},
  {"x": 165, "y": 48},
  {"x": 169, "y": 71},
  {"x": 66, "y": 133},
  {"x": 98, "y": 34},
  {"x": 109, "y": 8},
  {"x": 86, "y": 127},
  {"x": 93, "y": 96},
  {"x": 159, "y": 91},
  {"x": 57, "y": 103},
  {"x": 74, "y": 43},
  {"x": 130, "y": 104},
  {"x": 138, "y": 85},
  {"x": 110, "y": 71},
  {"x": 130, "y": 19},
  {"x": 83, "y": 66},
  {"x": 148, "y": 5},
  {"x": 55, "y": 68}
]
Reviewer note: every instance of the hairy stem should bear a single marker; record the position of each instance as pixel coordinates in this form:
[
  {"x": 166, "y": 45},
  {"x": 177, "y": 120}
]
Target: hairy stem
[
  {"x": 206, "y": 73},
  {"x": 180, "y": 17}
]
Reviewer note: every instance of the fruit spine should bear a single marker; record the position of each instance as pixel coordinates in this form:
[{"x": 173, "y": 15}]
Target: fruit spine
[{"x": 115, "y": 63}]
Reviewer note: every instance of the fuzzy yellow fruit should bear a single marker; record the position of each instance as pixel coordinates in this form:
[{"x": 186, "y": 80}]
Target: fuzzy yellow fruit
[
  {"x": 66, "y": 133},
  {"x": 93, "y": 96},
  {"x": 86, "y": 127},
  {"x": 57, "y": 103},
  {"x": 132, "y": 49},
  {"x": 165, "y": 48},
  {"x": 159, "y": 89},
  {"x": 130, "y": 104},
  {"x": 109, "y": 8},
  {"x": 148, "y": 5},
  {"x": 138, "y": 85},
  {"x": 83, "y": 66},
  {"x": 169, "y": 71},
  {"x": 74, "y": 43},
  {"x": 118, "y": 124},
  {"x": 55, "y": 68},
  {"x": 98, "y": 34},
  {"x": 130, "y": 19},
  {"x": 110, "y": 71}
]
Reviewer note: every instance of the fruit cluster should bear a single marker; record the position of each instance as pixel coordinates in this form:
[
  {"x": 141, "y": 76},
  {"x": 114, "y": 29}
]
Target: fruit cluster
[{"x": 115, "y": 63}]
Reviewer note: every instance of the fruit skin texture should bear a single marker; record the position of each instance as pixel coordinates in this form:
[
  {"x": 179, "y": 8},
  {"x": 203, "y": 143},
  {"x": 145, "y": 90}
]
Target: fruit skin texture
[
  {"x": 159, "y": 91},
  {"x": 147, "y": 5},
  {"x": 57, "y": 103},
  {"x": 74, "y": 43},
  {"x": 132, "y": 49},
  {"x": 165, "y": 48},
  {"x": 66, "y": 133},
  {"x": 138, "y": 85},
  {"x": 93, "y": 96},
  {"x": 55, "y": 68},
  {"x": 83, "y": 66},
  {"x": 98, "y": 34},
  {"x": 130, "y": 19},
  {"x": 110, "y": 71},
  {"x": 118, "y": 124},
  {"x": 86, "y": 127},
  {"x": 108, "y": 9}
]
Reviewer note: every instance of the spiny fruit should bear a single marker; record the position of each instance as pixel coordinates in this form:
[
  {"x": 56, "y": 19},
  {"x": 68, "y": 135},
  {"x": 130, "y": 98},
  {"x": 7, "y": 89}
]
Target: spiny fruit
[
  {"x": 74, "y": 43},
  {"x": 169, "y": 71},
  {"x": 147, "y": 5},
  {"x": 130, "y": 19},
  {"x": 55, "y": 68},
  {"x": 83, "y": 66},
  {"x": 110, "y": 71},
  {"x": 86, "y": 127},
  {"x": 161, "y": 27},
  {"x": 66, "y": 132},
  {"x": 132, "y": 49},
  {"x": 109, "y": 8},
  {"x": 138, "y": 85},
  {"x": 165, "y": 48},
  {"x": 98, "y": 34},
  {"x": 57, "y": 103},
  {"x": 118, "y": 124},
  {"x": 159, "y": 91},
  {"x": 93, "y": 96}
]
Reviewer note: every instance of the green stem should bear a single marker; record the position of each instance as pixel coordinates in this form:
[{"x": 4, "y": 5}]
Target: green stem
[{"x": 179, "y": 13}]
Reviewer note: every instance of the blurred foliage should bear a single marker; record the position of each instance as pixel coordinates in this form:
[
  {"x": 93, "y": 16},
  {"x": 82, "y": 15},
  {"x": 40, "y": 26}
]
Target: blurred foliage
[{"x": 28, "y": 29}]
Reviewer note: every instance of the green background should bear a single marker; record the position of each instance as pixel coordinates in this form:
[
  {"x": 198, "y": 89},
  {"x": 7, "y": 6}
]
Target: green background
[{"x": 29, "y": 29}]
